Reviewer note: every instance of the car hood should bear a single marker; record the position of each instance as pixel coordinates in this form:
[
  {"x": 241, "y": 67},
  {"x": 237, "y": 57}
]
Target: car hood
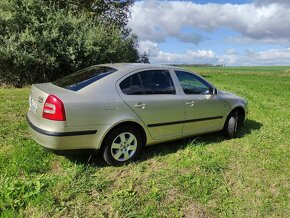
[{"x": 228, "y": 94}]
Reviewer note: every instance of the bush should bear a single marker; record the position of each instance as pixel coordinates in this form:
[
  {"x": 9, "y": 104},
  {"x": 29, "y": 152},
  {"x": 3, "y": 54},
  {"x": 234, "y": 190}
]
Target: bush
[{"x": 40, "y": 41}]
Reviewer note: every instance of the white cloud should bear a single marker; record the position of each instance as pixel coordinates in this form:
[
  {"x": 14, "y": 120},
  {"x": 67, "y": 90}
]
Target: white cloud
[
  {"x": 156, "y": 20},
  {"x": 267, "y": 2},
  {"x": 260, "y": 22},
  {"x": 149, "y": 48},
  {"x": 247, "y": 40},
  {"x": 230, "y": 56},
  {"x": 231, "y": 51},
  {"x": 158, "y": 56},
  {"x": 269, "y": 57},
  {"x": 193, "y": 57}
]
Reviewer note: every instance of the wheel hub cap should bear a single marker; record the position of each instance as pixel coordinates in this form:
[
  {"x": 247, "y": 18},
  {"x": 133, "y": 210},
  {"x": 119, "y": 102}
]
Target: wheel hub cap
[{"x": 124, "y": 146}]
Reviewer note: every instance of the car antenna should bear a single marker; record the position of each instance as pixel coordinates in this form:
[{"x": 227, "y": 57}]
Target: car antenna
[{"x": 109, "y": 58}]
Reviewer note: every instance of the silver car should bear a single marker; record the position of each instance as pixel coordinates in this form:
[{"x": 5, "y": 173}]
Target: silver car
[{"x": 119, "y": 108}]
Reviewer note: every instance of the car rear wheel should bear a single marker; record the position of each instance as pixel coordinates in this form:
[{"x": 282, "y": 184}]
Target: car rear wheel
[
  {"x": 232, "y": 124},
  {"x": 122, "y": 145}
]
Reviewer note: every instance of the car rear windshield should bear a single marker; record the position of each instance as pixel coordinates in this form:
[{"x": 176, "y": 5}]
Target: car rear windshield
[{"x": 84, "y": 77}]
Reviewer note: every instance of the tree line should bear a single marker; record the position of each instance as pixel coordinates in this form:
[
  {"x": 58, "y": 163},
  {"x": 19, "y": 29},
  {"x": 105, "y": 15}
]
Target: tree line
[{"x": 42, "y": 40}]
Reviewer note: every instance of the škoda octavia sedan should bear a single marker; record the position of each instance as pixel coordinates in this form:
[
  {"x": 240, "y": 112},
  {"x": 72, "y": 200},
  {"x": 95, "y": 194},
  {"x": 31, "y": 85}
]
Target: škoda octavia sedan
[{"x": 119, "y": 108}]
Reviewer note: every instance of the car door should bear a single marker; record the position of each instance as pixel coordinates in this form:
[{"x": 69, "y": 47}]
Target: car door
[
  {"x": 204, "y": 110},
  {"x": 152, "y": 96}
]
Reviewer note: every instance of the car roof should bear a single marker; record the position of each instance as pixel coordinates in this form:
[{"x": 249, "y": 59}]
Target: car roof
[
  {"x": 136, "y": 66},
  {"x": 124, "y": 69}
]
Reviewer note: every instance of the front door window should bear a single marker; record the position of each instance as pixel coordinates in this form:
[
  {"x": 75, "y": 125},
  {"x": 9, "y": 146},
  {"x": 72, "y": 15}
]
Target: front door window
[{"x": 193, "y": 85}]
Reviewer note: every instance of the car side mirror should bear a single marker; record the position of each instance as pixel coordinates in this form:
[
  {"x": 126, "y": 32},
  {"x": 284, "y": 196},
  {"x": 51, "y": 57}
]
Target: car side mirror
[{"x": 214, "y": 91}]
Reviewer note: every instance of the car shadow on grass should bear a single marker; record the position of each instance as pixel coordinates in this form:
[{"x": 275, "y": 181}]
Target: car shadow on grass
[
  {"x": 162, "y": 149},
  {"x": 202, "y": 140}
]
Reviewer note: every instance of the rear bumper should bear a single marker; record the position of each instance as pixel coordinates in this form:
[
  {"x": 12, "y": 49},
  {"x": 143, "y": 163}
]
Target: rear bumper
[
  {"x": 63, "y": 140},
  {"x": 57, "y": 134}
]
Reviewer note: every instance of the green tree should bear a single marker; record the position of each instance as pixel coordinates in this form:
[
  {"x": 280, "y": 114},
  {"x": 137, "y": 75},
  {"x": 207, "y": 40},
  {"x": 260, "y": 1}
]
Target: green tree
[
  {"x": 43, "y": 40},
  {"x": 107, "y": 11}
]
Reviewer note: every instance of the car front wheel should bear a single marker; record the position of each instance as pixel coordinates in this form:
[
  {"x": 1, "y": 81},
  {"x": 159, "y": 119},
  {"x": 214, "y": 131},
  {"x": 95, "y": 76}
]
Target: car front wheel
[
  {"x": 232, "y": 124},
  {"x": 122, "y": 145}
]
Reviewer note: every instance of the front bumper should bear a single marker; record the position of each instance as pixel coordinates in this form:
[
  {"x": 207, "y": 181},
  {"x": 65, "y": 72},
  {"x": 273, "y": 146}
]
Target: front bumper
[{"x": 71, "y": 140}]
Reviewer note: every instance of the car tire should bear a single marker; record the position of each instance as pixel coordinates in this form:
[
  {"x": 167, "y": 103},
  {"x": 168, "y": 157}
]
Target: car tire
[
  {"x": 232, "y": 124},
  {"x": 122, "y": 145}
]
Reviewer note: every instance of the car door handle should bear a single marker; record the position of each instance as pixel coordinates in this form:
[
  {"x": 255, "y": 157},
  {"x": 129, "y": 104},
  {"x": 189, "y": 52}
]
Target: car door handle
[
  {"x": 140, "y": 105},
  {"x": 190, "y": 103}
]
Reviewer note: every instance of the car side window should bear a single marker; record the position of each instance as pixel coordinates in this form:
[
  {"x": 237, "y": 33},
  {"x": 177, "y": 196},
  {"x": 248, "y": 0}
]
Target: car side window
[
  {"x": 132, "y": 85},
  {"x": 157, "y": 82},
  {"x": 191, "y": 84}
]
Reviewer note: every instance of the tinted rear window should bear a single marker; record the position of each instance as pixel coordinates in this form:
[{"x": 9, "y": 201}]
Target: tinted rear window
[
  {"x": 157, "y": 82},
  {"x": 83, "y": 78},
  {"x": 148, "y": 82}
]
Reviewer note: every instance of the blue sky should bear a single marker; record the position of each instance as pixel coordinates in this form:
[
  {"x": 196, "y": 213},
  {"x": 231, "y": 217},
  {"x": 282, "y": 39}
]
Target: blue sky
[{"x": 240, "y": 32}]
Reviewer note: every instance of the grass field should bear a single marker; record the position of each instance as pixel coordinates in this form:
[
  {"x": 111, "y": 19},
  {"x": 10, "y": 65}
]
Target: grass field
[{"x": 206, "y": 176}]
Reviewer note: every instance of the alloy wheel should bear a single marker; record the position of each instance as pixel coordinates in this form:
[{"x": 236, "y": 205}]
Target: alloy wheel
[{"x": 124, "y": 146}]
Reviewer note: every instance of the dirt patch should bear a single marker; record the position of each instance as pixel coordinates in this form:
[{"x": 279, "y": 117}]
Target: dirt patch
[
  {"x": 285, "y": 73},
  {"x": 31, "y": 211},
  {"x": 55, "y": 166},
  {"x": 155, "y": 165},
  {"x": 195, "y": 210},
  {"x": 171, "y": 195}
]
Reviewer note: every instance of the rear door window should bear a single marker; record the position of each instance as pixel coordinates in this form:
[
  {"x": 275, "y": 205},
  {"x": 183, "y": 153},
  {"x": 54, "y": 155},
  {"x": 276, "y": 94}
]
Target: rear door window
[
  {"x": 150, "y": 82},
  {"x": 83, "y": 78},
  {"x": 157, "y": 82}
]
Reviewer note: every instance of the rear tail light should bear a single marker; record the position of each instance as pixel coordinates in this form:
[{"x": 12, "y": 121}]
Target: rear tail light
[{"x": 53, "y": 109}]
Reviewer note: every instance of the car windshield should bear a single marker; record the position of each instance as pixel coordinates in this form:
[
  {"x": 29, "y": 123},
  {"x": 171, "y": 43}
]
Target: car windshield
[{"x": 84, "y": 77}]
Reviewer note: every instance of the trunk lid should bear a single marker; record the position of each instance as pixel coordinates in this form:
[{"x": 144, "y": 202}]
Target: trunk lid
[{"x": 38, "y": 95}]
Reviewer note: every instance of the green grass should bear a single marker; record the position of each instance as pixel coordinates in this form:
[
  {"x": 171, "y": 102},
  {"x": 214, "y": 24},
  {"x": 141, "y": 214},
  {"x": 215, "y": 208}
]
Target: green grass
[{"x": 198, "y": 177}]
